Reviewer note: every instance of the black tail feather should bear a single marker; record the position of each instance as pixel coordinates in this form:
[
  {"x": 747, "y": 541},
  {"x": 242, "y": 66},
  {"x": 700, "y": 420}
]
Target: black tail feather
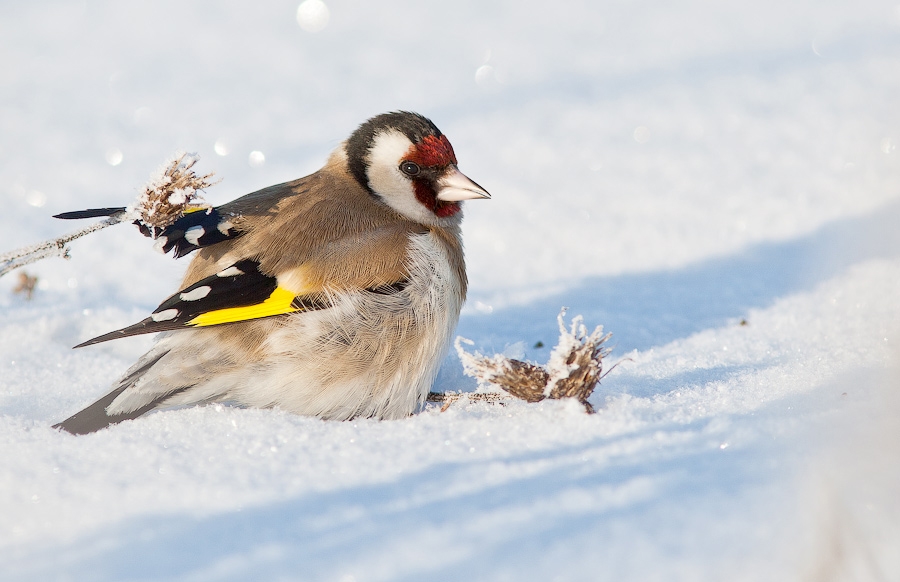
[
  {"x": 94, "y": 417},
  {"x": 90, "y": 213},
  {"x": 145, "y": 326}
]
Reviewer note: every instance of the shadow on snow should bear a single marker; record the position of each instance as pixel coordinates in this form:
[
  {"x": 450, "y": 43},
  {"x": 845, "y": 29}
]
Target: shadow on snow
[{"x": 644, "y": 310}]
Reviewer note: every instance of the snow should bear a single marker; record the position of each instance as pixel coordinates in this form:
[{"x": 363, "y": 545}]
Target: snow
[{"x": 717, "y": 184}]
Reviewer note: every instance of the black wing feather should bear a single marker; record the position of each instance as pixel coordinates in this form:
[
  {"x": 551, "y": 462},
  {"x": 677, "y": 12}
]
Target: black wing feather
[
  {"x": 194, "y": 230},
  {"x": 248, "y": 286},
  {"x": 94, "y": 417},
  {"x": 90, "y": 213}
]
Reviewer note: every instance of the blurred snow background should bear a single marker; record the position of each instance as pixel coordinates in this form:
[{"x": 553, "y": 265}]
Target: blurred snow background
[{"x": 718, "y": 184}]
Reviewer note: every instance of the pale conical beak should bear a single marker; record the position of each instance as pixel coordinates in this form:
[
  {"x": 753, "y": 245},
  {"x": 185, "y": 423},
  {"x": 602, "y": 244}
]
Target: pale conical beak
[{"x": 455, "y": 186}]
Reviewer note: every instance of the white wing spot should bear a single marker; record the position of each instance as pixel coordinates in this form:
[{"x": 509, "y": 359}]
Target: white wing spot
[
  {"x": 198, "y": 293},
  {"x": 166, "y": 315},
  {"x": 224, "y": 226},
  {"x": 230, "y": 272},
  {"x": 193, "y": 234}
]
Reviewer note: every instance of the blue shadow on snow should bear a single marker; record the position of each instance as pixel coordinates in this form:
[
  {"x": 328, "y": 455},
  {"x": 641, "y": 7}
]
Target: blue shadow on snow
[{"x": 643, "y": 310}]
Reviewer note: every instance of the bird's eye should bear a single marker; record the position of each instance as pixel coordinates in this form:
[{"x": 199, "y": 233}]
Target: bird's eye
[{"x": 409, "y": 168}]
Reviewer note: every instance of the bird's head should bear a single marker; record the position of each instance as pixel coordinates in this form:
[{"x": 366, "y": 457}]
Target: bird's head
[{"x": 404, "y": 160}]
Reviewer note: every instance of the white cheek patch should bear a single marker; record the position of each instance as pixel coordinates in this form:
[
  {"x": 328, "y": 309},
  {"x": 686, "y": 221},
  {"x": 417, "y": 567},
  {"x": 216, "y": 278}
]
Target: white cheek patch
[
  {"x": 388, "y": 149},
  {"x": 385, "y": 178}
]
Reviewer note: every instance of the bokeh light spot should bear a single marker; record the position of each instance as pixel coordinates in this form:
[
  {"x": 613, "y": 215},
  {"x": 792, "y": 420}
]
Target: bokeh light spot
[
  {"x": 641, "y": 134},
  {"x": 483, "y": 74},
  {"x": 36, "y": 198},
  {"x": 114, "y": 156},
  {"x": 312, "y": 15},
  {"x": 256, "y": 159}
]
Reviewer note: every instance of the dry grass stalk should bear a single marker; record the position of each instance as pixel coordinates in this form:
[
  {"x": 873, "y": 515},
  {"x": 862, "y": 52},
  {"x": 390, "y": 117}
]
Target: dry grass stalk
[
  {"x": 448, "y": 398},
  {"x": 574, "y": 369}
]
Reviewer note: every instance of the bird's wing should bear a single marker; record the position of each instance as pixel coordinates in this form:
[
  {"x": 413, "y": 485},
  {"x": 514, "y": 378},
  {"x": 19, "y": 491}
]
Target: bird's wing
[
  {"x": 243, "y": 291},
  {"x": 200, "y": 227},
  {"x": 194, "y": 230},
  {"x": 237, "y": 293}
]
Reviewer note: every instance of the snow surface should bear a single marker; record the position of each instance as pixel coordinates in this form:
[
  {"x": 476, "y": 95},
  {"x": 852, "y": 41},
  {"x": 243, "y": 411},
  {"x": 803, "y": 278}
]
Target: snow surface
[{"x": 716, "y": 183}]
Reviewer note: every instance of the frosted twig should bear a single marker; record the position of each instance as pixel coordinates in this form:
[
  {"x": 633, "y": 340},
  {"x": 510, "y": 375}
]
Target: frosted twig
[{"x": 52, "y": 248}]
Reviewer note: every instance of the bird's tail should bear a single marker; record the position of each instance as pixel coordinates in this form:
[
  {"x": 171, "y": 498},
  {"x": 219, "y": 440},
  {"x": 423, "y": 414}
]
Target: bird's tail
[
  {"x": 90, "y": 213},
  {"x": 96, "y": 417}
]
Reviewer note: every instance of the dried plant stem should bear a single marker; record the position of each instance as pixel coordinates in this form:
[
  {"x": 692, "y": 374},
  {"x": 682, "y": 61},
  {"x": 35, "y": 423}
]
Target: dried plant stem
[
  {"x": 51, "y": 248},
  {"x": 444, "y": 397},
  {"x": 448, "y": 398}
]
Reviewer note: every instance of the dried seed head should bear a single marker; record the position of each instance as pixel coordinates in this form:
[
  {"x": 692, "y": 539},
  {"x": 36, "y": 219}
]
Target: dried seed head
[
  {"x": 173, "y": 189},
  {"x": 574, "y": 369}
]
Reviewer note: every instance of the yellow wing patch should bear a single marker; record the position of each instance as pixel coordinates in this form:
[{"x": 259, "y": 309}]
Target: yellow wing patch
[
  {"x": 278, "y": 303},
  {"x": 190, "y": 209}
]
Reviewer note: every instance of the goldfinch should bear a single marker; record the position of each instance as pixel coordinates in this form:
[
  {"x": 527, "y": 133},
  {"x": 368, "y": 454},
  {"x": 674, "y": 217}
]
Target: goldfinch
[{"x": 334, "y": 295}]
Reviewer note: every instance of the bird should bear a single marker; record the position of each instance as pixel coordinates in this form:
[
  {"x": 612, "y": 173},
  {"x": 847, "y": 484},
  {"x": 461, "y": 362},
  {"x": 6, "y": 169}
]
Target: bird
[{"x": 334, "y": 295}]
